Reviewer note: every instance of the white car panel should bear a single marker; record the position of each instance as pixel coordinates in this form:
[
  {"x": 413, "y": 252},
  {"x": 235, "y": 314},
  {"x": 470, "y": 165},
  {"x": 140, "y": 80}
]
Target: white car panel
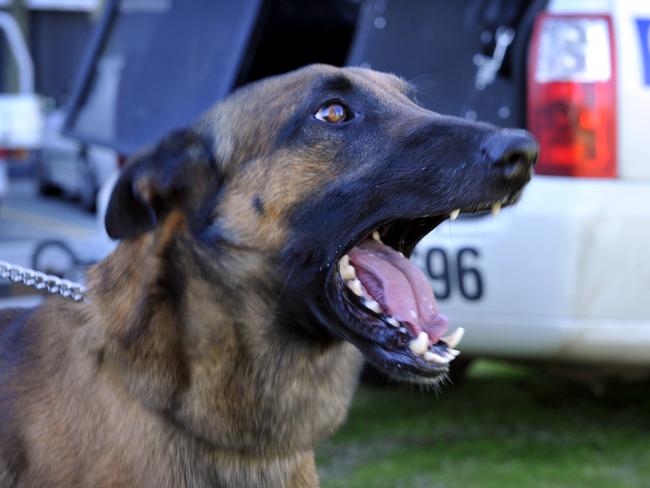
[
  {"x": 633, "y": 55},
  {"x": 571, "y": 256}
]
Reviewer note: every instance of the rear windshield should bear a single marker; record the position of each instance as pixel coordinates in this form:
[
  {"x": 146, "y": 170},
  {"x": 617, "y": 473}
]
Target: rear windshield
[{"x": 161, "y": 63}]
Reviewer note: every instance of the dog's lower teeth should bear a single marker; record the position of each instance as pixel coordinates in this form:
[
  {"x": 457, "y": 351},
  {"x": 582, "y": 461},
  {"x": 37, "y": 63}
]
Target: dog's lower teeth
[
  {"x": 372, "y": 305},
  {"x": 453, "y": 352},
  {"x": 496, "y": 208},
  {"x": 375, "y": 236},
  {"x": 356, "y": 287},
  {"x": 346, "y": 270},
  {"x": 392, "y": 321},
  {"x": 420, "y": 344},
  {"x": 348, "y": 273},
  {"x": 454, "y": 214}
]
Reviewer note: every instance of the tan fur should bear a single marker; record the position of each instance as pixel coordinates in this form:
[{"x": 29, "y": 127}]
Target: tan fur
[
  {"x": 141, "y": 386},
  {"x": 201, "y": 357}
]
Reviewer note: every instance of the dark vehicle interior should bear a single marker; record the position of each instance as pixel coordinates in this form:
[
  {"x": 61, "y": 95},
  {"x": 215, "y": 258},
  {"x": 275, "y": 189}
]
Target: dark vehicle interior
[{"x": 190, "y": 53}]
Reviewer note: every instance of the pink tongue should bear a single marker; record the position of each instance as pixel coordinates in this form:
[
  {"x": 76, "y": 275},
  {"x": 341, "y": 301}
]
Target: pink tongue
[{"x": 399, "y": 286}]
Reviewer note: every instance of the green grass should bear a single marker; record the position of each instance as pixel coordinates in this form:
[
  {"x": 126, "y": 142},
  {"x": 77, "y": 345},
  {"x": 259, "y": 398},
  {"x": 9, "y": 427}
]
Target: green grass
[{"x": 503, "y": 427}]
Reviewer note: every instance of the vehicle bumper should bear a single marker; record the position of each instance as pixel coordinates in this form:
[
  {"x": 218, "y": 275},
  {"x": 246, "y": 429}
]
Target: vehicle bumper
[{"x": 565, "y": 273}]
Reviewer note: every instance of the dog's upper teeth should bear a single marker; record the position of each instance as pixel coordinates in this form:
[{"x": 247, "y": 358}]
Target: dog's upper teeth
[
  {"x": 454, "y": 338},
  {"x": 453, "y": 352},
  {"x": 496, "y": 208},
  {"x": 375, "y": 236},
  {"x": 454, "y": 214},
  {"x": 420, "y": 344},
  {"x": 346, "y": 270},
  {"x": 434, "y": 357}
]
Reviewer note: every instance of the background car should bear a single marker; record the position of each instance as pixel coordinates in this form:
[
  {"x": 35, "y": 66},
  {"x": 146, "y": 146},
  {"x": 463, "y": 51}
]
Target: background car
[
  {"x": 20, "y": 111},
  {"x": 566, "y": 272},
  {"x": 561, "y": 277},
  {"x": 65, "y": 165}
]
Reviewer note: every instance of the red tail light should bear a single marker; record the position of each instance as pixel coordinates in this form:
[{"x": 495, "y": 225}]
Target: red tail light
[
  {"x": 572, "y": 95},
  {"x": 14, "y": 154}
]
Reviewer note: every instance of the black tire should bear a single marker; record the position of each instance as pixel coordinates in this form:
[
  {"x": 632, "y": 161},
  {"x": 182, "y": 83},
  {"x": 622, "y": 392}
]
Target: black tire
[
  {"x": 88, "y": 193},
  {"x": 48, "y": 190},
  {"x": 57, "y": 246},
  {"x": 45, "y": 187}
]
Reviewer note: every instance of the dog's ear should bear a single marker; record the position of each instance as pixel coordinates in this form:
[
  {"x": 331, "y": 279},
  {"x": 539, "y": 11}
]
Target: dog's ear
[{"x": 154, "y": 182}]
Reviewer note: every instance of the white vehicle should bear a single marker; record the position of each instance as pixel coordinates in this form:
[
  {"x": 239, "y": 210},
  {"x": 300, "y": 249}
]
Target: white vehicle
[
  {"x": 65, "y": 165},
  {"x": 565, "y": 275},
  {"x": 20, "y": 113}
]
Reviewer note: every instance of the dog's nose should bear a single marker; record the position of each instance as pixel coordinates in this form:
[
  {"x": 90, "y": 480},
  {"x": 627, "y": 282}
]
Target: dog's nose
[{"x": 514, "y": 151}]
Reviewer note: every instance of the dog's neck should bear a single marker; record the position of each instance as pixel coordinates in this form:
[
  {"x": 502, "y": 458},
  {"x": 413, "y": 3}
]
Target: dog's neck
[{"x": 205, "y": 353}]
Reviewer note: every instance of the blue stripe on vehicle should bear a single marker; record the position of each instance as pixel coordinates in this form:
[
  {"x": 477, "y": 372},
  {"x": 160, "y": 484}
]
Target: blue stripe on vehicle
[{"x": 644, "y": 33}]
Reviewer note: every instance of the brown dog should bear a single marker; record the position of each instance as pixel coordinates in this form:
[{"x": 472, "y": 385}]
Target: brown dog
[{"x": 219, "y": 342}]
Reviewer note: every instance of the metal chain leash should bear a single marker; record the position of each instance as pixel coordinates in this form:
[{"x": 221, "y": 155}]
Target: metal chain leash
[{"x": 41, "y": 281}]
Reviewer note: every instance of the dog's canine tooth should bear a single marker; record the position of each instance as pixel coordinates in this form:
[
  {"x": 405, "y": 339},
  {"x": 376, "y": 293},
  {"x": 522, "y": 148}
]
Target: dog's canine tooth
[
  {"x": 348, "y": 273},
  {"x": 453, "y": 352},
  {"x": 346, "y": 270},
  {"x": 371, "y": 304},
  {"x": 454, "y": 338},
  {"x": 375, "y": 236},
  {"x": 420, "y": 344},
  {"x": 496, "y": 208},
  {"x": 454, "y": 214},
  {"x": 356, "y": 287},
  {"x": 433, "y": 357},
  {"x": 393, "y": 321}
]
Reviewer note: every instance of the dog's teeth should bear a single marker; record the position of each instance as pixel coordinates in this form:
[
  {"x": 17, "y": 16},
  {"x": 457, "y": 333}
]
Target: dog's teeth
[
  {"x": 496, "y": 208},
  {"x": 371, "y": 304},
  {"x": 346, "y": 270},
  {"x": 356, "y": 287},
  {"x": 375, "y": 236},
  {"x": 433, "y": 357},
  {"x": 348, "y": 273},
  {"x": 392, "y": 321},
  {"x": 453, "y": 352},
  {"x": 420, "y": 344},
  {"x": 454, "y": 214},
  {"x": 454, "y": 338}
]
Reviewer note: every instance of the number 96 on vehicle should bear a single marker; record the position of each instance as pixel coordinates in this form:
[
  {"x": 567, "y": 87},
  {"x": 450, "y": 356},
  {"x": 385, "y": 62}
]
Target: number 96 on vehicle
[{"x": 455, "y": 273}]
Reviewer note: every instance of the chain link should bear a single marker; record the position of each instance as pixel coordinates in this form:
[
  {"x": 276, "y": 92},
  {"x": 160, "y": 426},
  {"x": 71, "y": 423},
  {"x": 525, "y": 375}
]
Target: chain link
[{"x": 41, "y": 281}]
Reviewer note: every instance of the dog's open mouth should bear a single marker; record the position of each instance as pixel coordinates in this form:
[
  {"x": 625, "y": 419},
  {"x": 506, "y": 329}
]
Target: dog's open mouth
[{"x": 388, "y": 303}]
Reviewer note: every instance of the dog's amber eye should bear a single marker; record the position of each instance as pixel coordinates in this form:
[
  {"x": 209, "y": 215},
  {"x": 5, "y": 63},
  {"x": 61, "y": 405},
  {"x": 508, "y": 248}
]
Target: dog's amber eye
[{"x": 334, "y": 113}]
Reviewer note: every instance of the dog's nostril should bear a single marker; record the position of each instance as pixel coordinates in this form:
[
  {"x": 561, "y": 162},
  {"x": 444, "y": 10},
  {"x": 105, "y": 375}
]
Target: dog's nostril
[
  {"x": 517, "y": 167},
  {"x": 513, "y": 150}
]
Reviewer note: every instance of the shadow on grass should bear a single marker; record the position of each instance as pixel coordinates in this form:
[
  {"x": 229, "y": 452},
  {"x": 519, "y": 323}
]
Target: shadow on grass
[{"x": 503, "y": 427}]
